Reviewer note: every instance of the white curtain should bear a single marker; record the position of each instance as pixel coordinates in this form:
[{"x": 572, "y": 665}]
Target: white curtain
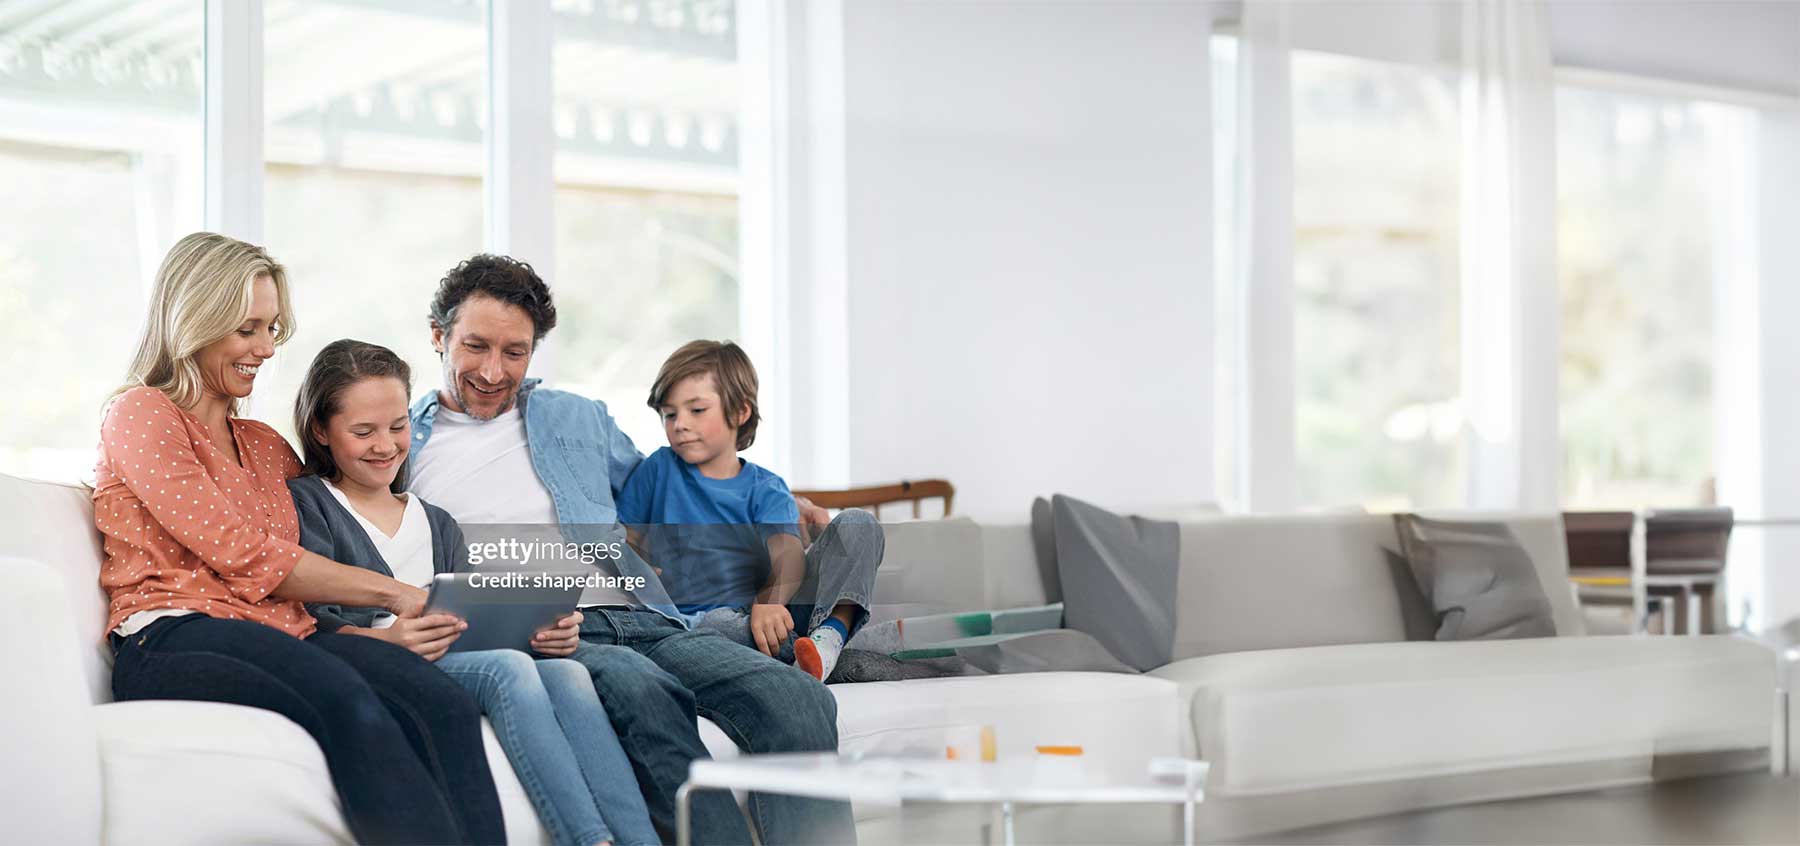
[
  {"x": 1511, "y": 308},
  {"x": 1267, "y": 476}
]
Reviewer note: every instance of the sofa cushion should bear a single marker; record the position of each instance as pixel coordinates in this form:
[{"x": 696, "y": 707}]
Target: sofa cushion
[
  {"x": 1271, "y": 582},
  {"x": 53, "y": 524},
  {"x": 246, "y": 758},
  {"x": 928, "y": 567},
  {"x": 1480, "y": 580},
  {"x": 1294, "y": 719},
  {"x": 251, "y": 758}
]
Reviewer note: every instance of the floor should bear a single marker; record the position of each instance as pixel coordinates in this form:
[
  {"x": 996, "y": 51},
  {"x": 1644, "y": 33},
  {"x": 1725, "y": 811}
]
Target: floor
[{"x": 1750, "y": 808}]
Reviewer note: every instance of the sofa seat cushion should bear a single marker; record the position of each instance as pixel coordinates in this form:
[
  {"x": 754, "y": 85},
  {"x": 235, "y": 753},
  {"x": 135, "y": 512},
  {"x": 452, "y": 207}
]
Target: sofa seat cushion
[
  {"x": 1293, "y": 719},
  {"x": 251, "y": 776}
]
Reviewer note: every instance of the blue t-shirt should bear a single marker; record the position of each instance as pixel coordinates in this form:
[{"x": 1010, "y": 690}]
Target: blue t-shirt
[{"x": 710, "y": 537}]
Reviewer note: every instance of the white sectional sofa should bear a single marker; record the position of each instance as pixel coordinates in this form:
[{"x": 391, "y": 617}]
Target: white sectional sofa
[{"x": 1293, "y": 677}]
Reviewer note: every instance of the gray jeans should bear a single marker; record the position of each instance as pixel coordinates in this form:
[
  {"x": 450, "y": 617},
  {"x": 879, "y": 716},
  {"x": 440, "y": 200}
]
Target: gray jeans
[{"x": 840, "y": 569}]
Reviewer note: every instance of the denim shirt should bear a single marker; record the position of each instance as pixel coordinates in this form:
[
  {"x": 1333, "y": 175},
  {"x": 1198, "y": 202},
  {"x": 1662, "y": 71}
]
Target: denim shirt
[{"x": 583, "y": 460}]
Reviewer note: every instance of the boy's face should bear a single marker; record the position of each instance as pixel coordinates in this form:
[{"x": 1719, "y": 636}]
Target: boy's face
[{"x": 699, "y": 431}]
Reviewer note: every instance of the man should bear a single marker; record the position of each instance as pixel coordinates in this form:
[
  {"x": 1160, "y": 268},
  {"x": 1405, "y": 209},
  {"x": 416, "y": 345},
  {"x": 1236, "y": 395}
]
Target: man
[{"x": 491, "y": 447}]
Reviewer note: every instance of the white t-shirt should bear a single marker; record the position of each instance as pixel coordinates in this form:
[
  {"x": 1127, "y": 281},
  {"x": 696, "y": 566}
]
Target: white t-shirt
[
  {"x": 407, "y": 553},
  {"x": 480, "y": 471}
]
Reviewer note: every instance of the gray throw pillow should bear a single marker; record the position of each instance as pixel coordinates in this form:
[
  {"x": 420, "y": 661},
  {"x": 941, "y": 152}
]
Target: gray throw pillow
[
  {"x": 1043, "y": 542},
  {"x": 1415, "y": 610},
  {"x": 1478, "y": 578},
  {"x": 1118, "y": 579}
]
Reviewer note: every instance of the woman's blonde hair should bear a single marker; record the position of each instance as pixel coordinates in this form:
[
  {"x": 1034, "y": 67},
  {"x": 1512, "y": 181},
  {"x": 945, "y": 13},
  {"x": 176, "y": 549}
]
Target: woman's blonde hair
[{"x": 203, "y": 293}]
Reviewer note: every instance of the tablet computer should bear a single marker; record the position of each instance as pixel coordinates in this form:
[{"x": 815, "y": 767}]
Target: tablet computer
[{"x": 503, "y": 609}]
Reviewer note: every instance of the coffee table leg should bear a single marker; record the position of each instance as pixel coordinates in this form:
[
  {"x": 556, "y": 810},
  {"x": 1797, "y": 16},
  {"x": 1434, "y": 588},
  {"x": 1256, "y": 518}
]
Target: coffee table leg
[
  {"x": 684, "y": 836},
  {"x": 1006, "y": 822},
  {"x": 1187, "y": 821}
]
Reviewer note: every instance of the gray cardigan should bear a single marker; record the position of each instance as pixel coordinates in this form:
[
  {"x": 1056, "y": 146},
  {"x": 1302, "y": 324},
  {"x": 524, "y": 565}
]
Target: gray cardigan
[{"x": 329, "y": 529}]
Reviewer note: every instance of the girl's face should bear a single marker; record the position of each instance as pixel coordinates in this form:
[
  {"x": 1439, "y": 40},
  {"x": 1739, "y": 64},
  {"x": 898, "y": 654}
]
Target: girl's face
[{"x": 370, "y": 435}]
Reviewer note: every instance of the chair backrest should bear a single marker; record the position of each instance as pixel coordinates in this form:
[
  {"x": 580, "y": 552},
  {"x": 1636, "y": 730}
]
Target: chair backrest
[
  {"x": 872, "y": 498},
  {"x": 53, "y": 524},
  {"x": 1686, "y": 540},
  {"x": 1599, "y": 540}
]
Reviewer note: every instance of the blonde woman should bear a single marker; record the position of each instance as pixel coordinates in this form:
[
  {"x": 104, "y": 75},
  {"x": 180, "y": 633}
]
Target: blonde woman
[{"x": 208, "y": 581}]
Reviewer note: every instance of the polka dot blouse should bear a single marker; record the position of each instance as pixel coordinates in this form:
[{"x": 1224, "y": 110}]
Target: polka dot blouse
[{"x": 185, "y": 526}]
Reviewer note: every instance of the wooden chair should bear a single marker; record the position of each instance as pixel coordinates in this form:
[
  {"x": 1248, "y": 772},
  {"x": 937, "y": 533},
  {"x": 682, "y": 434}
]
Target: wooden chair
[{"x": 871, "y": 499}]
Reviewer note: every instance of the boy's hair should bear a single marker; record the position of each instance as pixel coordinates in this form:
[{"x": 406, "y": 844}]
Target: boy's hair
[
  {"x": 505, "y": 279},
  {"x": 733, "y": 375},
  {"x": 339, "y": 365}
]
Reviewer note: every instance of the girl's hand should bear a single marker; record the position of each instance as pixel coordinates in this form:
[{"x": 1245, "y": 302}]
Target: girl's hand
[
  {"x": 559, "y": 639},
  {"x": 769, "y": 626},
  {"x": 428, "y": 637}
]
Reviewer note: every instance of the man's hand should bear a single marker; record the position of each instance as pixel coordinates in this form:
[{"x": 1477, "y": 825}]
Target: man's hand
[
  {"x": 559, "y": 639},
  {"x": 813, "y": 519},
  {"x": 428, "y": 637},
  {"x": 769, "y": 627}
]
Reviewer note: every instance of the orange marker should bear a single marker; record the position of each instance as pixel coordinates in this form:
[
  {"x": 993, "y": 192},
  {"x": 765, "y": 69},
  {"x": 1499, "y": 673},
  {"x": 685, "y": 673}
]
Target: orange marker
[{"x": 1059, "y": 750}]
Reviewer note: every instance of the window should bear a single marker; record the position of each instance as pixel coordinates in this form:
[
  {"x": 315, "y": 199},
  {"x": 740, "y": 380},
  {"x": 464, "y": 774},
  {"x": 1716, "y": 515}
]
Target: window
[
  {"x": 1638, "y": 197},
  {"x": 101, "y": 154},
  {"x": 372, "y": 187},
  {"x": 1378, "y": 416},
  {"x": 646, "y": 194}
]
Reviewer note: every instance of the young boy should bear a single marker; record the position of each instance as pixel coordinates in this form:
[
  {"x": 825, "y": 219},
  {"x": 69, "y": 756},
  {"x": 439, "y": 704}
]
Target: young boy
[{"x": 724, "y": 532}]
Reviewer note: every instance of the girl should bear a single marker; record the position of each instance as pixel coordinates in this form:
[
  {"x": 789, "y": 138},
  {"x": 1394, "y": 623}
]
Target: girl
[{"x": 351, "y": 418}]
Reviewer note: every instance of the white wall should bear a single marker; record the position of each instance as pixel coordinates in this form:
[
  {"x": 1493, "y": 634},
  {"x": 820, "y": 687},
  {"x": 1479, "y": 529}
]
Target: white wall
[{"x": 1027, "y": 211}]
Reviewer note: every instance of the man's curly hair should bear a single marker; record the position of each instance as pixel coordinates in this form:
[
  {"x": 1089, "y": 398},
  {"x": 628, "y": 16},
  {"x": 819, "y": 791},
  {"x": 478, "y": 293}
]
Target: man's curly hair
[{"x": 505, "y": 279}]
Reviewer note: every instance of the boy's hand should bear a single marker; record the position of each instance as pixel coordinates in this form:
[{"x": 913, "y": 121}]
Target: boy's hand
[
  {"x": 813, "y": 519},
  {"x": 769, "y": 627},
  {"x": 559, "y": 639}
]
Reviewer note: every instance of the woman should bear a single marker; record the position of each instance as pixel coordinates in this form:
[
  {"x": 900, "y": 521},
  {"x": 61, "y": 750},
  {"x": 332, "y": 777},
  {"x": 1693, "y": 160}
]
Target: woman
[{"x": 208, "y": 582}]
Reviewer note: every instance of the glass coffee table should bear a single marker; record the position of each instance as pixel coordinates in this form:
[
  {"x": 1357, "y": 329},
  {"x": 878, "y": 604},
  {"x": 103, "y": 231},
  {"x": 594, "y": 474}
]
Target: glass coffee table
[{"x": 894, "y": 781}]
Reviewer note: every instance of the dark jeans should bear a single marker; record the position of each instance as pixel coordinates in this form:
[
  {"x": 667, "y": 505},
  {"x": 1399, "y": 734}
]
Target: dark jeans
[
  {"x": 402, "y": 740},
  {"x": 656, "y": 677}
]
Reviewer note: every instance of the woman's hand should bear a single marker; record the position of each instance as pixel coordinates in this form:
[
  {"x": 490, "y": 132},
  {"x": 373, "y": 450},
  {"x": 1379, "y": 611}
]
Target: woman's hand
[
  {"x": 404, "y": 600},
  {"x": 428, "y": 637},
  {"x": 769, "y": 626},
  {"x": 559, "y": 639}
]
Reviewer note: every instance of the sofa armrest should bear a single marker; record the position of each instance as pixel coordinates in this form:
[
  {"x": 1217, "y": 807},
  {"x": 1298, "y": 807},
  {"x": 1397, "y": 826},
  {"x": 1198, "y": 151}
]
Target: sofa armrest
[{"x": 51, "y": 779}]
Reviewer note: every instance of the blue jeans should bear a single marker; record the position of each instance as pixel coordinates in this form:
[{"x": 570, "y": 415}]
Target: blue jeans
[
  {"x": 657, "y": 678},
  {"x": 401, "y": 740},
  {"x": 561, "y": 745}
]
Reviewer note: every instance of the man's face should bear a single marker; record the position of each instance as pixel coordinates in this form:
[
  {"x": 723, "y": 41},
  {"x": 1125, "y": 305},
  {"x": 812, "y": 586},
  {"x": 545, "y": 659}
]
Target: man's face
[{"x": 485, "y": 353}]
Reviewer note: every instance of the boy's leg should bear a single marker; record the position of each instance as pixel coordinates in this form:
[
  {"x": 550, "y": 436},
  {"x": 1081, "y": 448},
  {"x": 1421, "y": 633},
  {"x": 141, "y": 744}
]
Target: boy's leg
[
  {"x": 840, "y": 571},
  {"x": 764, "y": 707},
  {"x": 653, "y": 715},
  {"x": 733, "y": 624}
]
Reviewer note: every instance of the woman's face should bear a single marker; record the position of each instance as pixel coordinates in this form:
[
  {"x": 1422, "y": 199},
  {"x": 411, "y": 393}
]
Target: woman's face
[
  {"x": 228, "y": 366},
  {"x": 370, "y": 434}
]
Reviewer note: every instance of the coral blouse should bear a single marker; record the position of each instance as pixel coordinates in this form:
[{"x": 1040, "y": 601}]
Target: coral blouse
[{"x": 186, "y": 527}]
